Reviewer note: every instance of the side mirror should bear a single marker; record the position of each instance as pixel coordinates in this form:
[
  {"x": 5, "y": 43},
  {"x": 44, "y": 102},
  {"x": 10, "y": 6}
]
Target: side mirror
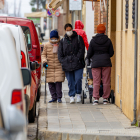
[
  {"x": 37, "y": 64},
  {"x": 17, "y": 120},
  {"x": 26, "y": 74},
  {"x": 33, "y": 66}
]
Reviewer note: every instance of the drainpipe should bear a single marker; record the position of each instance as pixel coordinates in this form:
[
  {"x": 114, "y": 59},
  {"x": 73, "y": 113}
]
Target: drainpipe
[
  {"x": 135, "y": 62},
  {"x": 107, "y": 19}
]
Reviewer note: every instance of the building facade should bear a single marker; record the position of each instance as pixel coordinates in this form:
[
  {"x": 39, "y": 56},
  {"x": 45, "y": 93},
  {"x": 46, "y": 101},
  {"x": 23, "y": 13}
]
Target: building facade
[{"x": 122, "y": 34}]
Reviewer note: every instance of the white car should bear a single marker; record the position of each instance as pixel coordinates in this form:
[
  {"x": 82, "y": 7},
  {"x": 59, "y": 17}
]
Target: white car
[
  {"x": 12, "y": 82},
  {"x": 22, "y": 52}
]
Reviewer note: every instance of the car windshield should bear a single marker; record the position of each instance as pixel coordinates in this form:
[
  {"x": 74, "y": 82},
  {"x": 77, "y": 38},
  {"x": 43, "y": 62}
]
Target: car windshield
[
  {"x": 27, "y": 34},
  {"x": 38, "y": 31},
  {"x": 1, "y": 122}
]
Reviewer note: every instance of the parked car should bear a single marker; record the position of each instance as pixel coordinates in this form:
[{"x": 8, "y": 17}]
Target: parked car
[
  {"x": 22, "y": 52},
  {"x": 34, "y": 49},
  {"x": 12, "y": 82}
]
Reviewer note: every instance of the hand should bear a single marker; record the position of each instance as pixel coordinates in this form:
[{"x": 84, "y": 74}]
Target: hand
[{"x": 45, "y": 65}]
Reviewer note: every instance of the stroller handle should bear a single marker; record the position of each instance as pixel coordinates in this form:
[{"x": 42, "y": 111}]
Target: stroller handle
[{"x": 89, "y": 67}]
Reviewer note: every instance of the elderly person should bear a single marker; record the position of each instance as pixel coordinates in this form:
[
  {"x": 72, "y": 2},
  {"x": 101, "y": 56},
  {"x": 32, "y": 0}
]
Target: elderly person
[
  {"x": 100, "y": 50},
  {"x": 55, "y": 74},
  {"x": 71, "y": 56}
]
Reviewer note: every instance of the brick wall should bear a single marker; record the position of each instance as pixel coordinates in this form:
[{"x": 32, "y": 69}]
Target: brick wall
[
  {"x": 60, "y": 25},
  {"x": 97, "y": 18}
]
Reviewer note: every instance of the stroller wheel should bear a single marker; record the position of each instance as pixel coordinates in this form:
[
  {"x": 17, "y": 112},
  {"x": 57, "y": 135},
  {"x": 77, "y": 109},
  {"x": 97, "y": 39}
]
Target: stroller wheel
[
  {"x": 112, "y": 97},
  {"x": 90, "y": 98},
  {"x": 83, "y": 95}
]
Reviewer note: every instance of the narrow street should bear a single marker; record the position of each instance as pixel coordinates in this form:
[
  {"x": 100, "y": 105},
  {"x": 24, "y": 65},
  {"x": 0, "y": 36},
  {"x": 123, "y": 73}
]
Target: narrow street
[{"x": 80, "y": 122}]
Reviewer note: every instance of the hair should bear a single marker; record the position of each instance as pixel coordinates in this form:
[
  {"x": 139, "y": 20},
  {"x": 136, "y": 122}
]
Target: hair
[{"x": 68, "y": 25}]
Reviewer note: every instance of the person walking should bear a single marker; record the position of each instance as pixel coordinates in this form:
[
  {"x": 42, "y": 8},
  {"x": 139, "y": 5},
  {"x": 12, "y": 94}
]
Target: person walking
[
  {"x": 100, "y": 50},
  {"x": 55, "y": 75},
  {"x": 71, "y": 55},
  {"x": 79, "y": 29}
]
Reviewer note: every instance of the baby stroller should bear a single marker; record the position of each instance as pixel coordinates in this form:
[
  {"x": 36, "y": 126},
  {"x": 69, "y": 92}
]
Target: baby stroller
[{"x": 89, "y": 88}]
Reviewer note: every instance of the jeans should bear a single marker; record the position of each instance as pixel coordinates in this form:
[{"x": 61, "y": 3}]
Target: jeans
[{"x": 74, "y": 82}]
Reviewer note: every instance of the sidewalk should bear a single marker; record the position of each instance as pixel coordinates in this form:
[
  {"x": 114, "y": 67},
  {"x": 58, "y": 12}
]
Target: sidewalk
[{"x": 82, "y": 122}]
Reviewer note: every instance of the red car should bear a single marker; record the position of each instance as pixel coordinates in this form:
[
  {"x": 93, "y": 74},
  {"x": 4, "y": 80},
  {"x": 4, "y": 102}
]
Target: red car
[{"x": 34, "y": 51}]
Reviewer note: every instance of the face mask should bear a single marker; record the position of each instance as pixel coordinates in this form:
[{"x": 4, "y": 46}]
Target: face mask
[
  {"x": 69, "y": 33},
  {"x": 54, "y": 40}
]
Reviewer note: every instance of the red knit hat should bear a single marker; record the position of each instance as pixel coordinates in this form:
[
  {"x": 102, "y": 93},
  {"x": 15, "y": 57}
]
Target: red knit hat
[{"x": 101, "y": 28}]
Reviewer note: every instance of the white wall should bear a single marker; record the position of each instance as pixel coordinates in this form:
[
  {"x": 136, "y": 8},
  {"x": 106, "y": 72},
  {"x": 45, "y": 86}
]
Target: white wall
[{"x": 89, "y": 20}]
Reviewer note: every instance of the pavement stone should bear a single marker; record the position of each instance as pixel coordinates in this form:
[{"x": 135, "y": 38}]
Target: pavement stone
[
  {"x": 124, "y": 138},
  {"x": 49, "y": 135},
  {"x": 65, "y": 136},
  {"x": 136, "y": 138},
  {"x": 106, "y": 138},
  {"x": 89, "y": 137},
  {"x": 75, "y": 137}
]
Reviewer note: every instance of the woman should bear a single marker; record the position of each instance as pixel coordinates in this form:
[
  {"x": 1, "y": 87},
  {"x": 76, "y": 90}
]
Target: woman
[
  {"x": 100, "y": 50},
  {"x": 71, "y": 55},
  {"x": 55, "y": 74}
]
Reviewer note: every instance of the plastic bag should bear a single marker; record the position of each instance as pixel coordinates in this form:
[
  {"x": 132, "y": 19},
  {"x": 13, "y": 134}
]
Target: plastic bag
[{"x": 55, "y": 48}]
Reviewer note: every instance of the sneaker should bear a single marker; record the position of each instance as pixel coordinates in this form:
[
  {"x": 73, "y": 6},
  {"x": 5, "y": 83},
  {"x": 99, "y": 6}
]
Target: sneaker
[
  {"x": 105, "y": 101},
  {"x": 95, "y": 102},
  {"x": 59, "y": 101},
  {"x": 52, "y": 101},
  {"x": 71, "y": 100},
  {"x": 78, "y": 98}
]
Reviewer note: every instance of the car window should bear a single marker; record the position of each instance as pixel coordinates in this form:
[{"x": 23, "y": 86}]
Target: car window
[
  {"x": 37, "y": 31},
  {"x": 27, "y": 53},
  {"x": 1, "y": 122},
  {"x": 27, "y": 35}
]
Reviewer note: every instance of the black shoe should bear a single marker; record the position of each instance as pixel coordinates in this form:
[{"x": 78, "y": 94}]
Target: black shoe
[
  {"x": 59, "y": 101},
  {"x": 52, "y": 101}
]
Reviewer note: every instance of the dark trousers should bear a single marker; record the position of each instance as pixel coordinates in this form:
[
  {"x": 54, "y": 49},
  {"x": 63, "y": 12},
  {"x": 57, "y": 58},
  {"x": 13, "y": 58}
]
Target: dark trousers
[
  {"x": 74, "y": 82},
  {"x": 55, "y": 90}
]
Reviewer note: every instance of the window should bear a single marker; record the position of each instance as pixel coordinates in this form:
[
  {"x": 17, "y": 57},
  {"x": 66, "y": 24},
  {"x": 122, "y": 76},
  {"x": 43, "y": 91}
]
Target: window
[
  {"x": 126, "y": 13},
  {"x": 27, "y": 35},
  {"x": 133, "y": 13},
  {"x": 1, "y": 121}
]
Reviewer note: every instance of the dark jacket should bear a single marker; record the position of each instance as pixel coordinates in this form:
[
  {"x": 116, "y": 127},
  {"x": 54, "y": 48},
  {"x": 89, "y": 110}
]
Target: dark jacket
[
  {"x": 100, "y": 50},
  {"x": 71, "y": 52}
]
